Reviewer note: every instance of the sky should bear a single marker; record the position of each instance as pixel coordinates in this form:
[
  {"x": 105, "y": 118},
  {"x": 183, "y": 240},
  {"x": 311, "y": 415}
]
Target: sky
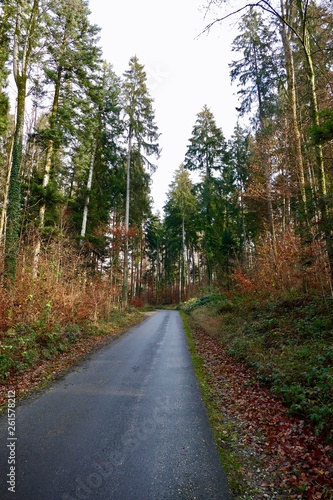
[{"x": 184, "y": 71}]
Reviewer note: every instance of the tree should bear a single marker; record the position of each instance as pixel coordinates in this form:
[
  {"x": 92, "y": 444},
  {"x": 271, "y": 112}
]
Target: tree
[
  {"x": 25, "y": 41},
  {"x": 72, "y": 57},
  {"x": 207, "y": 154},
  {"x": 4, "y": 57},
  {"x": 5, "y": 159},
  {"x": 259, "y": 75},
  {"x": 142, "y": 135},
  {"x": 154, "y": 236},
  {"x": 302, "y": 25},
  {"x": 239, "y": 161},
  {"x": 287, "y": 36},
  {"x": 180, "y": 225}
]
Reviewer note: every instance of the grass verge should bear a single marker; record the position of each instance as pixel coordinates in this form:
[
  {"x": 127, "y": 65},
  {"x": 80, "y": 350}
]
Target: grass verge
[{"x": 224, "y": 431}]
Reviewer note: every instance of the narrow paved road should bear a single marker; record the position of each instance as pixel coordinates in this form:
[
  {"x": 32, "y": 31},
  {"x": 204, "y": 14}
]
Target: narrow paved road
[{"x": 127, "y": 424}]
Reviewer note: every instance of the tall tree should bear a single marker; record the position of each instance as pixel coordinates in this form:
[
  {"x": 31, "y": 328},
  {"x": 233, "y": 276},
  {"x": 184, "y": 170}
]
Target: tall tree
[
  {"x": 206, "y": 154},
  {"x": 259, "y": 72},
  {"x": 287, "y": 38},
  {"x": 72, "y": 57},
  {"x": 181, "y": 218},
  {"x": 4, "y": 109},
  {"x": 25, "y": 41},
  {"x": 4, "y": 57},
  {"x": 142, "y": 136},
  {"x": 238, "y": 146},
  {"x": 303, "y": 24}
]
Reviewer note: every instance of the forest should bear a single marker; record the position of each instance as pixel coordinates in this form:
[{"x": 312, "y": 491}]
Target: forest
[
  {"x": 80, "y": 145},
  {"x": 247, "y": 230}
]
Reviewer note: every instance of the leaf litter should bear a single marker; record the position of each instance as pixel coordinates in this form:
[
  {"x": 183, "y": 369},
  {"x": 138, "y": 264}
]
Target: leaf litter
[{"x": 282, "y": 457}]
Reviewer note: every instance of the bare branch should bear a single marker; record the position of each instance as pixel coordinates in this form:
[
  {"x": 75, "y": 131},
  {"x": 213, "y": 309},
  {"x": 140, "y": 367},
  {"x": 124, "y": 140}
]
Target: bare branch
[
  {"x": 210, "y": 25},
  {"x": 262, "y": 4}
]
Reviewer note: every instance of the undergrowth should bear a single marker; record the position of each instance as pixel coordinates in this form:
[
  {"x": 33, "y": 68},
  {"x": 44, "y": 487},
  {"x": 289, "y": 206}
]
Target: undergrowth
[
  {"x": 24, "y": 346},
  {"x": 51, "y": 314},
  {"x": 287, "y": 342}
]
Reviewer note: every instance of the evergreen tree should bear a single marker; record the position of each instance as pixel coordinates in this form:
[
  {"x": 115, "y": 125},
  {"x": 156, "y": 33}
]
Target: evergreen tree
[
  {"x": 239, "y": 162},
  {"x": 259, "y": 73},
  {"x": 4, "y": 57},
  {"x": 180, "y": 225},
  {"x": 142, "y": 136},
  {"x": 4, "y": 110},
  {"x": 25, "y": 18},
  {"x": 71, "y": 60},
  {"x": 207, "y": 155}
]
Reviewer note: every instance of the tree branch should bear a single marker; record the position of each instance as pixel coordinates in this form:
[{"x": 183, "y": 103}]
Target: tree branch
[{"x": 262, "y": 4}]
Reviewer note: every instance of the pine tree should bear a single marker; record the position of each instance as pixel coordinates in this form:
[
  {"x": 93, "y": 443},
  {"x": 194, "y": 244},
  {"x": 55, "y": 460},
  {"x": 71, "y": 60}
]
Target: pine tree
[
  {"x": 4, "y": 57},
  {"x": 180, "y": 226},
  {"x": 72, "y": 57},
  {"x": 4, "y": 110},
  {"x": 259, "y": 73},
  {"x": 142, "y": 136},
  {"x": 207, "y": 154}
]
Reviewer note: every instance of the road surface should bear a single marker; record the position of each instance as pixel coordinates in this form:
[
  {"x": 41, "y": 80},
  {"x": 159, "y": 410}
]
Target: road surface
[{"x": 126, "y": 424}]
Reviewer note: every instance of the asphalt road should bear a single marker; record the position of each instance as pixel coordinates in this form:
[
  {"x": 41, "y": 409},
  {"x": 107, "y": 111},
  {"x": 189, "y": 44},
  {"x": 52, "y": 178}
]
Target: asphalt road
[{"x": 127, "y": 424}]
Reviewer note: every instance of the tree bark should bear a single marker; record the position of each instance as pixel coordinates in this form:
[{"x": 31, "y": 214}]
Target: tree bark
[
  {"x": 21, "y": 62},
  {"x": 293, "y": 106},
  {"x": 322, "y": 194},
  {"x": 128, "y": 186},
  {"x": 6, "y": 192},
  {"x": 89, "y": 185}
]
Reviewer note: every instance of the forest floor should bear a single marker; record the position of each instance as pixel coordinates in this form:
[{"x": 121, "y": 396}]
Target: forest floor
[{"x": 269, "y": 450}]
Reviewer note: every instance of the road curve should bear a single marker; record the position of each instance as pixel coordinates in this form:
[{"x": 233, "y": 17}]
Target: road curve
[{"x": 127, "y": 424}]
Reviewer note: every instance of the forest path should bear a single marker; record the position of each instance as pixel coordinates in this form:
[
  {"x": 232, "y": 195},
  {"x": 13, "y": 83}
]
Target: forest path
[{"x": 128, "y": 423}]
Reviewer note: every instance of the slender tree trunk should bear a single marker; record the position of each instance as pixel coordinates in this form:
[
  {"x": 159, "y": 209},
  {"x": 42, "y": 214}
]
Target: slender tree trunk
[
  {"x": 89, "y": 185},
  {"x": 21, "y": 60},
  {"x": 14, "y": 194},
  {"x": 293, "y": 106},
  {"x": 325, "y": 215},
  {"x": 47, "y": 172},
  {"x": 128, "y": 185},
  {"x": 270, "y": 206},
  {"x": 183, "y": 270},
  {"x": 6, "y": 192},
  {"x": 266, "y": 162}
]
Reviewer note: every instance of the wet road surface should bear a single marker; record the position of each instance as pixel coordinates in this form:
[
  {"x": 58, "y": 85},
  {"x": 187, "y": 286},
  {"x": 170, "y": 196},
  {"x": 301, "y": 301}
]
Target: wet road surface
[{"x": 126, "y": 424}]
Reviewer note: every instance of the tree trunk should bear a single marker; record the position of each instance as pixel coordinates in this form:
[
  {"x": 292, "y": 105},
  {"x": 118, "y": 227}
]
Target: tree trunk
[
  {"x": 14, "y": 194},
  {"x": 22, "y": 50},
  {"x": 47, "y": 171},
  {"x": 293, "y": 106},
  {"x": 89, "y": 185},
  {"x": 6, "y": 192},
  {"x": 322, "y": 195},
  {"x": 128, "y": 185}
]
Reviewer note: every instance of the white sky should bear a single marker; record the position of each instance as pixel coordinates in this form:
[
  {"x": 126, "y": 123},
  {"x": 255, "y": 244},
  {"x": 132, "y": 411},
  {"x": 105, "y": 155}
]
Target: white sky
[{"x": 184, "y": 73}]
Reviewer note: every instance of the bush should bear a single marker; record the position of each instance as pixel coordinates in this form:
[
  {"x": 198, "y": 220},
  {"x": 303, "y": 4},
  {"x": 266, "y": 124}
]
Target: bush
[{"x": 206, "y": 300}]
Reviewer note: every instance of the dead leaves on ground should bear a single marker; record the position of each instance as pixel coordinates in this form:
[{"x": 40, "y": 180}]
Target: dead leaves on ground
[{"x": 300, "y": 463}]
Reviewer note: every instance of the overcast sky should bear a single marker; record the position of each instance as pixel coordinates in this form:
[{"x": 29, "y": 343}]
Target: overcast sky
[{"x": 184, "y": 72}]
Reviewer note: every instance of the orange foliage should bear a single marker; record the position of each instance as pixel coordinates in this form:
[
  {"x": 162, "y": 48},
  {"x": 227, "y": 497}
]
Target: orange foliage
[
  {"x": 63, "y": 292},
  {"x": 291, "y": 266}
]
